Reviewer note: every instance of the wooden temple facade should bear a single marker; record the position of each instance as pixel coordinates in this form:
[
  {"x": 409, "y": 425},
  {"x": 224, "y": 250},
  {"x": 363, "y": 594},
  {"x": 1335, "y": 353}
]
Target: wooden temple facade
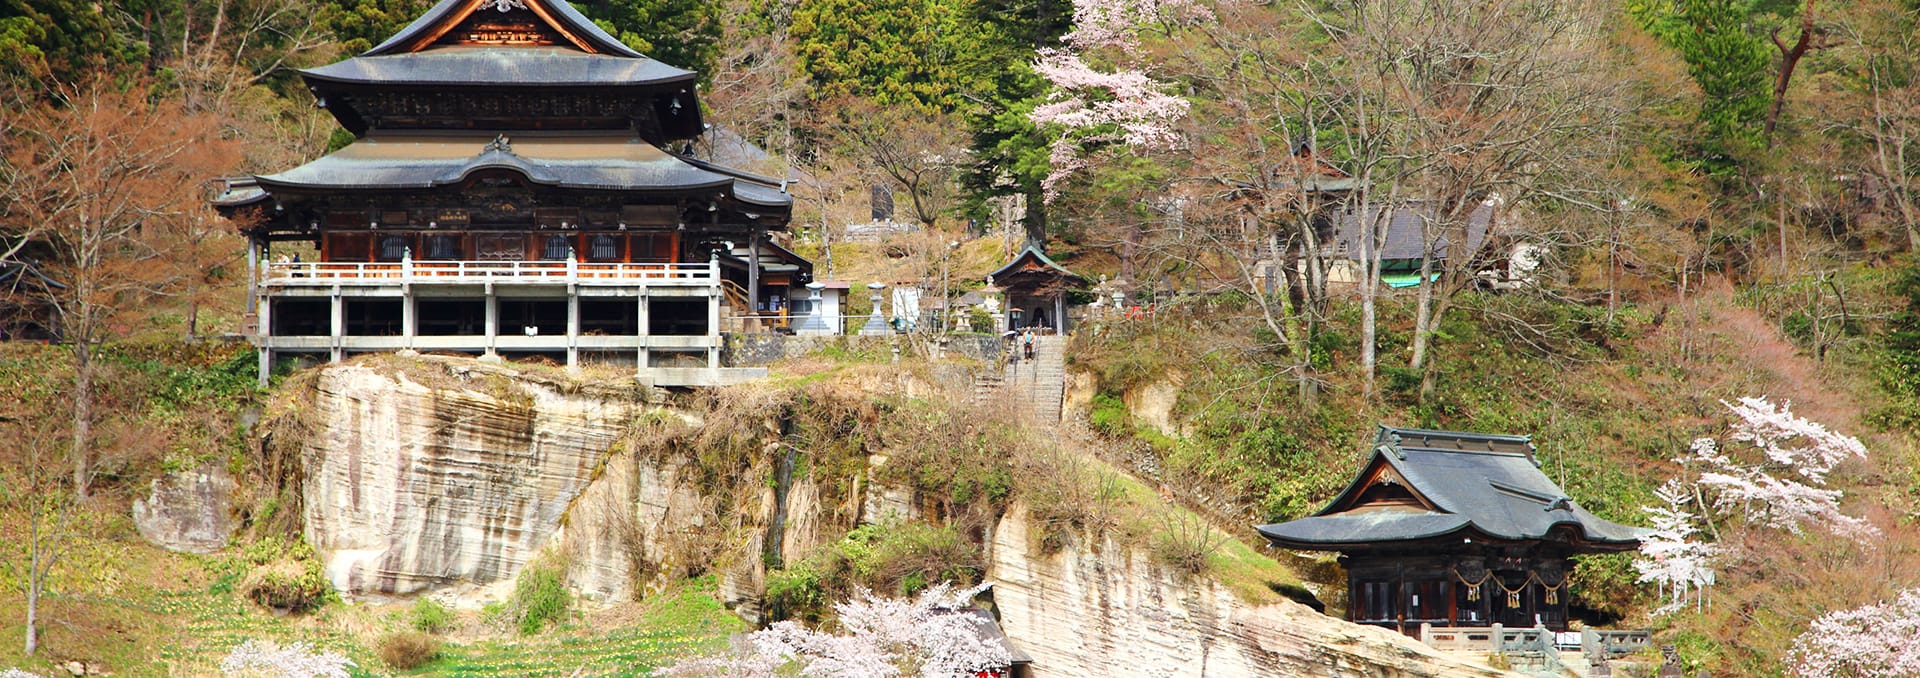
[
  {"x": 1036, "y": 289},
  {"x": 1452, "y": 529},
  {"x": 511, "y": 191}
]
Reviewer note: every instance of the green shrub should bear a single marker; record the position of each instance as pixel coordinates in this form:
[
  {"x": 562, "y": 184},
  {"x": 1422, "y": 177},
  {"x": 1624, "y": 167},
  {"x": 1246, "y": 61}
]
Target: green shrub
[
  {"x": 287, "y": 584},
  {"x": 407, "y": 650},
  {"x": 281, "y": 574},
  {"x": 897, "y": 558},
  {"x": 1109, "y": 415},
  {"x": 540, "y": 596},
  {"x": 1184, "y": 543},
  {"x": 430, "y": 616}
]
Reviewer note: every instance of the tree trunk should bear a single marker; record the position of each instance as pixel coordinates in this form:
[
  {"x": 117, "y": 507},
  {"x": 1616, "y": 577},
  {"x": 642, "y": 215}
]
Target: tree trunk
[
  {"x": 1300, "y": 326},
  {"x": 33, "y": 578},
  {"x": 1789, "y": 59},
  {"x": 1036, "y": 220},
  {"x": 82, "y": 417},
  {"x": 1429, "y": 373},
  {"x": 1423, "y": 309},
  {"x": 1369, "y": 289}
]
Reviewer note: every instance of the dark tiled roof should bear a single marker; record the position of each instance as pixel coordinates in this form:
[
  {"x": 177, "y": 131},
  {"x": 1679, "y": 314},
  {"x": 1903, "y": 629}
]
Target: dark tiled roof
[
  {"x": 586, "y": 161},
  {"x": 1032, "y": 255},
  {"x": 501, "y": 67},
  {"x": 1478, "y": 484},
  {"x": 1403, "y": 239}
]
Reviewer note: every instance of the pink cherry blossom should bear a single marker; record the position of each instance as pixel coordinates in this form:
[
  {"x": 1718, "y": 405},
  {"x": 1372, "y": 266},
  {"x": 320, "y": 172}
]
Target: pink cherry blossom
[
  {"x": 882, "y": 637},
  {"x": 1872, "y": 641}
]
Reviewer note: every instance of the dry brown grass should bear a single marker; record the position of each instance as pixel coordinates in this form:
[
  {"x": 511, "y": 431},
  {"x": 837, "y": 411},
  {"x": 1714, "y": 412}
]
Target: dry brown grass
[{"x": 407, "y": 650}]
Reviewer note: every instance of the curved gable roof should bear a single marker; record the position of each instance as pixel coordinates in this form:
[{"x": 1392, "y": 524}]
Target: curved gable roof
[
  {"x": 1471, "y": 482},
  {"x": 1032, "y": 259},
  {"x": 446, "y": 14}
]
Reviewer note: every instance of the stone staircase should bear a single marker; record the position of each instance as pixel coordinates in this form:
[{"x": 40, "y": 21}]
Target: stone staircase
[{"x": 1037, "y": 387}]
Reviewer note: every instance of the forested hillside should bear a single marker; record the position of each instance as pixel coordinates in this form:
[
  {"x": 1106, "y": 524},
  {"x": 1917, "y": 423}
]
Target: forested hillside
[{"x": 1686, "y": 203}]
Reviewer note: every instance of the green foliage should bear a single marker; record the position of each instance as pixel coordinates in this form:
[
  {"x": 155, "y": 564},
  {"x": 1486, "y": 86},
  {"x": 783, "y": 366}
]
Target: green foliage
[
  {"x": 1109, "y": 415},
  {"x": 896, "y": 53},
  {"x": 1899, "y": 370},
  {"x": 361, "y": 24},
  {"x": 1730, "y": 62},
  {"x": 281, "y": 574},
  {"x": 430, "y": 616},
  {"x": 965, "y": 463},
  {"x": 683, "y": 33},
  {"x": 897, "y": 558},
  {"x": 61, "y": 38},
  {"x": 540, "y": 596}
]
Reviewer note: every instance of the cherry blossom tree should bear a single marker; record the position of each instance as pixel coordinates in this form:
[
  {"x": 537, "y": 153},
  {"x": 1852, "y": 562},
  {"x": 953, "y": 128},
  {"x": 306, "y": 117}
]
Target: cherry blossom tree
[
  {"x": 1680, "y": 566},
  {"x": 882, "y": 637},
  {"x": 1792, "y": 445},
  {"x": 1762, "y": 493},
  {"x": 1877, "y": 640},
  {"x": 293, "y": 660},
  {"x": 1091, "y": 107}
]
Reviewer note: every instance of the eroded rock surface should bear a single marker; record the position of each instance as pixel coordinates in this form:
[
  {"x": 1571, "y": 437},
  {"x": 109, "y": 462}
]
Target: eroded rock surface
[
  {"x": 1114, "y": 613},
  {"x": 409, "y": 487},
  {"x": 190, "y": 511}
]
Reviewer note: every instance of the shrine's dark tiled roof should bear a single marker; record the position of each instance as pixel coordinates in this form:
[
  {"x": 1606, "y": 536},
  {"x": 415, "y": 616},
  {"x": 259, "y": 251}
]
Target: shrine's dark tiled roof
[
  {"x": 567, "y": 160},
  {"x": 1033, "y": 255},
  {"x": 1477, "y": 484},
  {"x": 240, "y": 191},
  {"x": 502, "y": 66},
  {"x": 1404, "y": 239}
]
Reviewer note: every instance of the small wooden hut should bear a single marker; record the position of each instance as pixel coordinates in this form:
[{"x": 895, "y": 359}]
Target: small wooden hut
[
  {"x": 1454, "y": 529},
  {"x": 1036, "y": 290}
]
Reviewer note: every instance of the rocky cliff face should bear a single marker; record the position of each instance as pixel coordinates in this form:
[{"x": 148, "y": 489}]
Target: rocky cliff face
[
  {"x": 1112, "y": 612},
  {"x": 462, "y": 474},
  {"x": 408, "y": 487}
]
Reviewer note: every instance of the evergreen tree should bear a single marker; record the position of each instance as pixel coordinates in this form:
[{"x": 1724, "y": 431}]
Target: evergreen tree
[
  {"x": 683, "y": 33},
  {"x": 895, "y": 53},
  {"x": 61, "y": 38}
]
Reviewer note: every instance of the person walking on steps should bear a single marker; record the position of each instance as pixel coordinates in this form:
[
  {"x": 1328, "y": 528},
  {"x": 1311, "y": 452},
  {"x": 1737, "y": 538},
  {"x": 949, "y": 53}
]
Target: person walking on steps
[{"x": 1026, "y": 343}]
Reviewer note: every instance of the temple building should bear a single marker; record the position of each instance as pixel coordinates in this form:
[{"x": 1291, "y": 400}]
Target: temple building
[
  {"x": 514, "y": 189},
  {"x": 1454, "y": 529},
  {"x": 1036, "y": 290}
]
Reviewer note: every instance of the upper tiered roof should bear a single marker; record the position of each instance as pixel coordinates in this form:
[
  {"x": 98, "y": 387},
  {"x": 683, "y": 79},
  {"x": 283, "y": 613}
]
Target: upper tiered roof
[{"x": 507, "y": 65}]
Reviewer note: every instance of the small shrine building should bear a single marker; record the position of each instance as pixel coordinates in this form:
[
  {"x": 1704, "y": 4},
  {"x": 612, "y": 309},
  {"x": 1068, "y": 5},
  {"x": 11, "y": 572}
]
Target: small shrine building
[
  {"x": 1036, "y": 290},
  {"x": 1454, "y": 529}
]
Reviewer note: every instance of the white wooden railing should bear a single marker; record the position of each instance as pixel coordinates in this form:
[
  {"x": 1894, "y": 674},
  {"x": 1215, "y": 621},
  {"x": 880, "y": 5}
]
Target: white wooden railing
[{"x": 410, "y": 271}]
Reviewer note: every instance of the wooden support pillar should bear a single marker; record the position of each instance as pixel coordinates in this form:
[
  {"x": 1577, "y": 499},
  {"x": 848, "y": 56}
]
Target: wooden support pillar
[
  {"x": 266, "y": 365},
  {"x": 573, "y": 326},
  {"x": 337, "y": 321},
  {"x": 493, "y": 323},
  {"x": 253, "y": 272},
  {"x": 409, "y": 313},
  {"x": 753, "y": 276},
  {"x": 641, "y": 329}
]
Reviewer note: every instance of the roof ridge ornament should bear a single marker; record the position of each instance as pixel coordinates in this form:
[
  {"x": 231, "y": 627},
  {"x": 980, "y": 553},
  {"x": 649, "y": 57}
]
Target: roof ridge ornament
[
  {"x": 503, "y": 6},
  {"x": 500, "y": 143}
]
